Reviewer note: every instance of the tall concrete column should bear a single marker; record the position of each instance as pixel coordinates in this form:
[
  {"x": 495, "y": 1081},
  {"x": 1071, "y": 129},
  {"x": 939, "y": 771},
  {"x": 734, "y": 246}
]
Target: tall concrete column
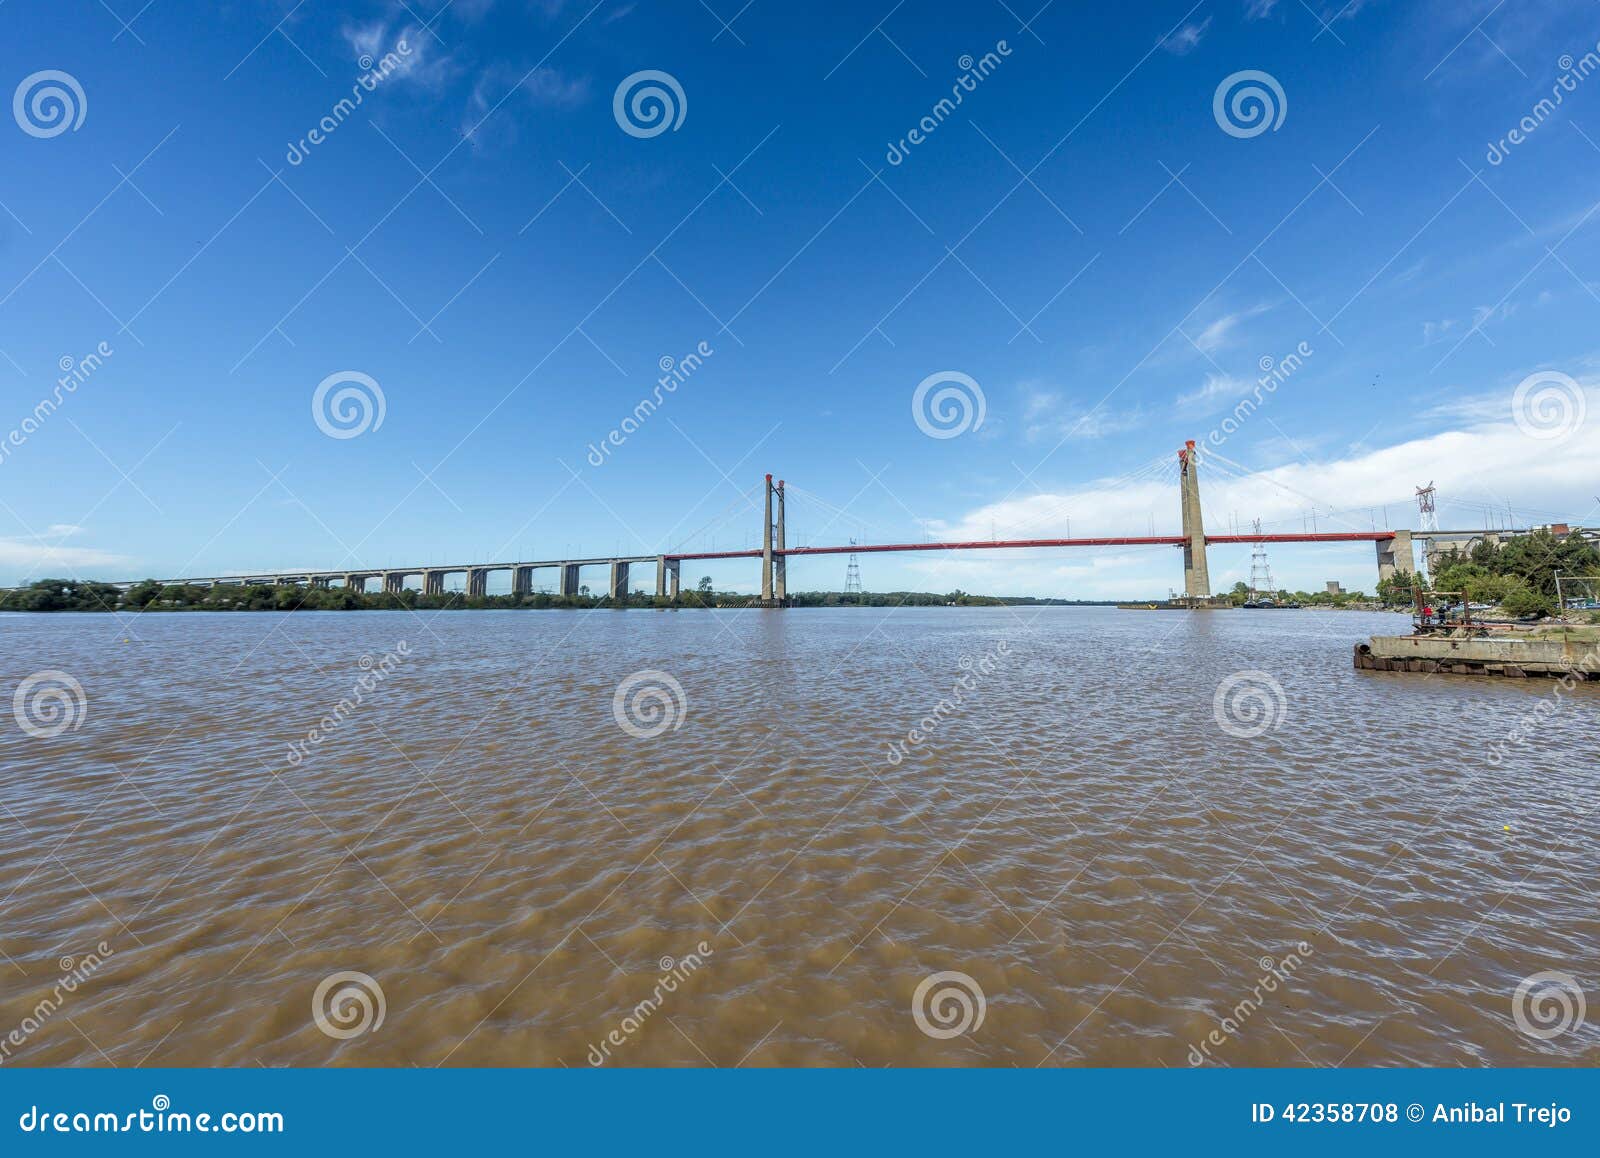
[
  {"x": 319, "y": 581},
  {"x": 394, "y": 582},
  {"x": 569, "y": 578},
  {"x": 666, "y": 577},
  {"x": 1396, "y": 555},
  {"x": 619, "y": 582},
  {"x": 521, "y": 580},
  {"x": 356, "y": 583},
  {"x": 766, "y": 547},
  {"x": 433, "y": 582},
  {"x": 780, "y": 562},
  {"x": 478, "y": 581},
  {"x": 1196, "y": 574}
]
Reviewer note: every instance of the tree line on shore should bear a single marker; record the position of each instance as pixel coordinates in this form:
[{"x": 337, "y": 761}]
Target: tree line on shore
[{"x": 150, "y": 595}]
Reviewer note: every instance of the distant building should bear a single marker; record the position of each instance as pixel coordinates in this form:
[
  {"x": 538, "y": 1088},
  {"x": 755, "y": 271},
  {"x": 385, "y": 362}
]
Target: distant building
[
  {"x": 1334, "y": 587},
  {"x": 1436, "y": 547}
]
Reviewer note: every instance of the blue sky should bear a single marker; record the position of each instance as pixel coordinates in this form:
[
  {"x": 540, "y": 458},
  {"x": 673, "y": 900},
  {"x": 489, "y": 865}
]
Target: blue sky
[{"x": 1081, "y": 236}]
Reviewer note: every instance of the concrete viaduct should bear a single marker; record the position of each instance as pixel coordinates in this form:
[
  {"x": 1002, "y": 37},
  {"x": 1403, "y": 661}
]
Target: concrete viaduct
[
  {"x": 394, "y": 580},
  {"x": 1394, "y": 554}
]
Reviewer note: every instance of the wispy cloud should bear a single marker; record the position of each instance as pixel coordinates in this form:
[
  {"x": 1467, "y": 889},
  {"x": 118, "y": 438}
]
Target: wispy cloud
[
  {"x": 1216, "y": 388},
  {"x": 1186, "y": 39},
  {"x": 410, "y": 49},
  {"x": 1047, "y": 414},
  {"x": 500, "y": 85},
  {"x": 551, "y": 88},
  {"x": 1219, "y": 332}
]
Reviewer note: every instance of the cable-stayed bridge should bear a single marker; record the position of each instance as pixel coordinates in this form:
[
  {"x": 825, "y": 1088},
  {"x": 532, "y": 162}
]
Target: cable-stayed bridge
[{"x": 1393, "y": 551}]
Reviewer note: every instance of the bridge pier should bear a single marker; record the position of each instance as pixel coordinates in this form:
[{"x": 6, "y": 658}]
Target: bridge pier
[
  {"x": 394, "y": 582},
  {"x": 478, "y": 581},
  {"x": 619, "y": 582},
  {"x": 319, "y": 581},
  {"x": 1396, "y": 555},
  {"x": 766, "y": 546},
  {"x": 521, "y": 580},
  {"x": 666, "y": 577},
  {"x": 569, "y": 578},
  {"x": 1196, "y": 572},
  {"x": 433, "y": 582},
  {"x": 780, "y": 562}
]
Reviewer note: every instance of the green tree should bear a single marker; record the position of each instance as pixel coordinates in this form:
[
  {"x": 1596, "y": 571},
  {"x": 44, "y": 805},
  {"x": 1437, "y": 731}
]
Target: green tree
[{"x": 1521, "y": 599}]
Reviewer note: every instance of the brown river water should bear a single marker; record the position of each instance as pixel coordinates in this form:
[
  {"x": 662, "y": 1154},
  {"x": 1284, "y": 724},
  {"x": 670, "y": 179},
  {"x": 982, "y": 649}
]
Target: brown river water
[{"x": 935, "y": 836}]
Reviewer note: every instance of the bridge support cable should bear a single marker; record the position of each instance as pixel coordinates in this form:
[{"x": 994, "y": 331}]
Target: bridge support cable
[
  {"x": 835, "y": 514},
  {"x": 1245, "y": 474},
  {"x": 717, "y": 521}
]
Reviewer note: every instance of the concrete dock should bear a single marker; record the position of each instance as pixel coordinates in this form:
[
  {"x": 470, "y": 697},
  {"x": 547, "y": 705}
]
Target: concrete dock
[{"x": 1575, "y": 657}]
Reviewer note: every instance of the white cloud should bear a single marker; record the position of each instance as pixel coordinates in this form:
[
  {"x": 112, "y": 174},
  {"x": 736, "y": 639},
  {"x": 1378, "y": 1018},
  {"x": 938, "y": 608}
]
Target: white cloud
[
  {"x": 1186, "y": 39},
  {"x": 1219, "y": 332},
  {"x": 411, "y": 50},
  {"x": 1435, "y": 331},
  {"x": 1486, "y": 462},
  {"x": 1048, "y": 415},
  {"x": 38, "y": 558},
  {"x": 547, "y": 86},
  {"x": 1216, "y": 388},
  {"x": 543, "y": 88}
]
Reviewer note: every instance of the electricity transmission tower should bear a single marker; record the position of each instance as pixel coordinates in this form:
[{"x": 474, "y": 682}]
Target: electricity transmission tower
[
  {"x": 1429, "y": 521},
  {"x": 1260, "y": 573},
  {"x": 1425, "y": 507},
  {"x": 852, "y": 574}
]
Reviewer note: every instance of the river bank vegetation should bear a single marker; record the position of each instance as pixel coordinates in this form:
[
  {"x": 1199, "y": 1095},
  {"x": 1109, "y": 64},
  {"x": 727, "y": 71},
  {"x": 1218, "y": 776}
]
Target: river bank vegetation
[
  {"x": 149, "y": 595},
  {"x": 1518, "y": 575}
]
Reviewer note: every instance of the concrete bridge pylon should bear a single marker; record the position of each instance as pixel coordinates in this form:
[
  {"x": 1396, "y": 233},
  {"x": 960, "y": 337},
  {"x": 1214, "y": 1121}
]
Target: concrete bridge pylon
[
  {"x": 1196, "y": 572},
  {"x": 774, "y": 551}
]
